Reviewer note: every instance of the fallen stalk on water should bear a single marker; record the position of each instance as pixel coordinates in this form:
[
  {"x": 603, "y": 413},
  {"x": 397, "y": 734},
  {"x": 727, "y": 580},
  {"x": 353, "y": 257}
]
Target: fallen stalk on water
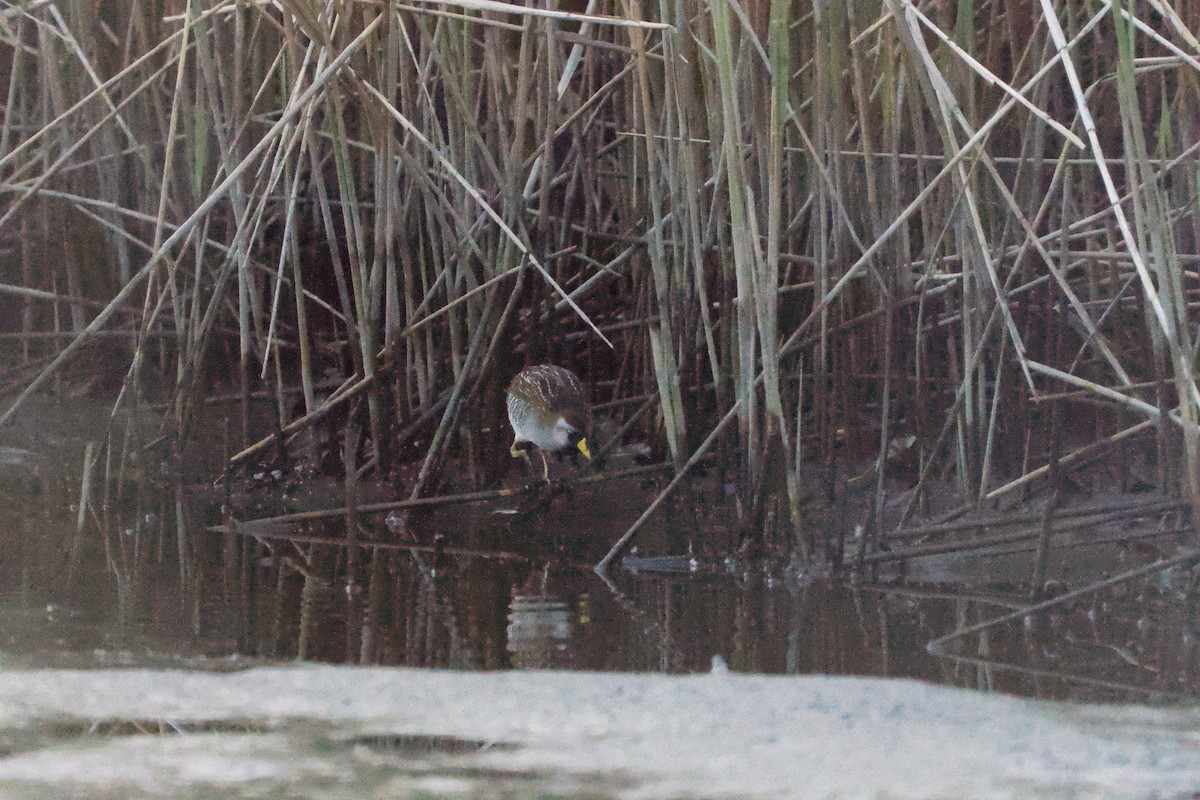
[
  {"x": 937, "y": 646},
  {"x": 253, "y": 531},
  {"x": 1087, "y": 516},
  {"x": 887, "y": 556},
  {"x": 443, "y": 500}
]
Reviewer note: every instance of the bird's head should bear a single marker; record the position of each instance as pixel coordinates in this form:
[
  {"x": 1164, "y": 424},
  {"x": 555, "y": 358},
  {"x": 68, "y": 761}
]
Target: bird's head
[{"x": 568, "y": 436}]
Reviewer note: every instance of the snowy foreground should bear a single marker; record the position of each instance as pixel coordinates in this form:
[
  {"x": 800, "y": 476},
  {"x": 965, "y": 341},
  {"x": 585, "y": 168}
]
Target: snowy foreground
[{"x": 332, "y": 732}]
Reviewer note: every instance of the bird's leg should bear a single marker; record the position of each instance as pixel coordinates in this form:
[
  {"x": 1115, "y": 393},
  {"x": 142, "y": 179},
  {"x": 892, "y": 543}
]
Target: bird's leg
[
  {"x": 521, "y": 452},
  {"x": 545, "y": 467}
]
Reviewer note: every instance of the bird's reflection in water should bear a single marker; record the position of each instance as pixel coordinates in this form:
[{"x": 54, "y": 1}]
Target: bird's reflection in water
[{"x": 539, "y": 627}]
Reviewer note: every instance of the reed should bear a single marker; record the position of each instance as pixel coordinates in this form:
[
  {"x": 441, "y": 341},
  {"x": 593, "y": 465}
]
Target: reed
[{"x": 699, "y": 202}]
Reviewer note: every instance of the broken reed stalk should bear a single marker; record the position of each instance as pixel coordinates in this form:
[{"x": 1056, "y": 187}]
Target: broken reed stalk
[
  {"x": 372, "y": 545},
  {"x": 1084, "y": 516},
  {"x": 440, "y": 500},
  {"x": 1041, "y": 542},
  {"x": 937, "y": 646},
  {"x": 350, "y": 388},
  {"x": 85, "y": 500}
]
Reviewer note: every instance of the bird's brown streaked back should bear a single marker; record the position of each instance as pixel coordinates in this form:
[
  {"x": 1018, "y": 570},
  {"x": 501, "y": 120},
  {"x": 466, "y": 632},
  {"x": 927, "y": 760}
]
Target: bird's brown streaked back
[{"x": 552, "y": 391}]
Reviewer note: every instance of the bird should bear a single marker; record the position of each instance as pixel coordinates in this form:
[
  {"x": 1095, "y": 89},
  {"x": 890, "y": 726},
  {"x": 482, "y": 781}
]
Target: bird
[{"x": 547, "y": 408}]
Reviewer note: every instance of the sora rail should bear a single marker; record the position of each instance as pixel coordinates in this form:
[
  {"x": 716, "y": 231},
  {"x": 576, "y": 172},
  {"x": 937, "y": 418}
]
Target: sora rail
[{"x": 547, "y": 408}]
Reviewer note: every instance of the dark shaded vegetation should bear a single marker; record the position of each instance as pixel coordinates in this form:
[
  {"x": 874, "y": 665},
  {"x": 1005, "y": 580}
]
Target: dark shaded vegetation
[{"x": 953, "y": 245}]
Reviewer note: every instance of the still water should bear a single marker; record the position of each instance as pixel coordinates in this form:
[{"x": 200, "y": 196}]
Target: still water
[{"x": 145, "y": 578}]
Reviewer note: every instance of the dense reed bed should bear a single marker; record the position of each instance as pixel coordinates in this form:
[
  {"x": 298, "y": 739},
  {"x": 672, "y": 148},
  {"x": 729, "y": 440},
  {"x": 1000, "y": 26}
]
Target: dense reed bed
[{"x": 779, "y": 231}]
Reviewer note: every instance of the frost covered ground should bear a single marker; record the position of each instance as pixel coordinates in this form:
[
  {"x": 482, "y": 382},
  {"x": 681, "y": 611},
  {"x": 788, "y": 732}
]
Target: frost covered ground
[{"x": 332, "y": 732}]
